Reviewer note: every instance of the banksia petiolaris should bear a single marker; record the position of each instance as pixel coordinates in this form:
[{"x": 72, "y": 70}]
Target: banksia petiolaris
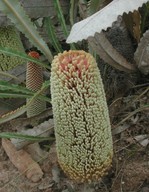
[
  {"x": 34, "y": 80},
  {"x": 82, "y": 127},
  {"x": 9, "y": 37}
]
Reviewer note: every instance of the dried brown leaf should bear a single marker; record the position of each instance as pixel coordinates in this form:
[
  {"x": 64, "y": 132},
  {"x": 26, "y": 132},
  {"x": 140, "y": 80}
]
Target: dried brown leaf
[
  {"x": 110, "y": 55},
  {"x": 133, "y": 21},
  {"x": 142, "y": 54},
  {"x": 22, "y": 161}
]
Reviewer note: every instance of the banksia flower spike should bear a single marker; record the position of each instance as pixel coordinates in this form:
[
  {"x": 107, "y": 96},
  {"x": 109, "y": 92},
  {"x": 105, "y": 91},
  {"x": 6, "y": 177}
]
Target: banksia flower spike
[
  {"x": 82, "y": 127},
  {"x": 34, "y": 80},
  {"x": 9, "y": 37}
]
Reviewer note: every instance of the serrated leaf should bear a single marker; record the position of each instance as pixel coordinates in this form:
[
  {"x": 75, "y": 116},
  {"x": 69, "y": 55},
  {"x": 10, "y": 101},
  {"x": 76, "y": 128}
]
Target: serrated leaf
[
  {"x": 16, "y": 13},
  {"x": 102, "y": 19},
  {"x": 5, "y": 86},
  {"x": 20, "y": 95},
  {"x": 13, "y": 114},
  {"x": 9, "y": 90}
]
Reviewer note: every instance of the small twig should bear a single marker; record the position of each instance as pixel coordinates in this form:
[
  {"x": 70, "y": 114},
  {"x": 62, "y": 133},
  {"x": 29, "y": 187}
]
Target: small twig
[
  {"x": 131, "y": 114},
  {"x": 142, "y": 85},
  {"x": 135, "y": 99},
  {"x": 119, "y": 172},
  {"x": 123, "y": 148}
]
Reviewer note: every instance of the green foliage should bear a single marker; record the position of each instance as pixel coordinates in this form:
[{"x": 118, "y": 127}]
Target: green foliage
[
  {"x": 9, "y": 76},
  {"x": 93, "y": 6},
  {"x": 9, "y": 90},
  {"x": 73, "y": 11},
  {"x": 16, "y": 13},
  {"x": 61, "y": 17},
  {"x": 23, "y": 109},
  {"x": 62, "y": 20},
  {"x": 52, "y": 35}
]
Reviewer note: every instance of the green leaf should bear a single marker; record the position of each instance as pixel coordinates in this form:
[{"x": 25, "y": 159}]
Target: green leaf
[
  {"x": 9, "y": 75},
  {"x": 5, "y": 86},
  {"x": 19, "y": 95},
  {"x": 23, "y": 109},
  {"x": 13, "y": 95},
  {"x": 16, "y": 13},
  {"x": 9, "y": 51},
  {"x": 9, "y": 90},
  {"x": 52, "y": 35},
  {"x": 10, "y": 135},
  {"x": 94, "y": 6},
  {"x": 73, "y": 11},
  {"x": 62, "y": 19}
]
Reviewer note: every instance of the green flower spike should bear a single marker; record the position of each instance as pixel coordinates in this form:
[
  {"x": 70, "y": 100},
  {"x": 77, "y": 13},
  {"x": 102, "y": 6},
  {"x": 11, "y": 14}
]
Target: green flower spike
[
  {"x": 82, "y": 127},
  {"x": 10, "y": 38}
]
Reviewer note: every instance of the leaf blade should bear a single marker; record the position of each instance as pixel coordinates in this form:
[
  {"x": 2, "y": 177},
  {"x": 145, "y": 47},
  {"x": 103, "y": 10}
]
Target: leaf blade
[
  {"x": 51, "y": 33},
  {"x": 102, "y": 19},
  {"x": 13, "y": 114}
]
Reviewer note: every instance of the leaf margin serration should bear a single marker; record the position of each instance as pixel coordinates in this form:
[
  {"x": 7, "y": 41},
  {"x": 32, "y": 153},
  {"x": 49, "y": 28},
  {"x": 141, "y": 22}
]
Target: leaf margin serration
[{"x": 97, "y": 22}]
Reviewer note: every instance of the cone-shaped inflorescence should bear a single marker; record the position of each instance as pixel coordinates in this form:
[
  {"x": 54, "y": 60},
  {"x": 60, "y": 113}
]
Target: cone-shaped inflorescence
[
  {"x": 34, "y": 80},
  {"x": 82, "y": 126},
  {"x": 9, "y": 37}
]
